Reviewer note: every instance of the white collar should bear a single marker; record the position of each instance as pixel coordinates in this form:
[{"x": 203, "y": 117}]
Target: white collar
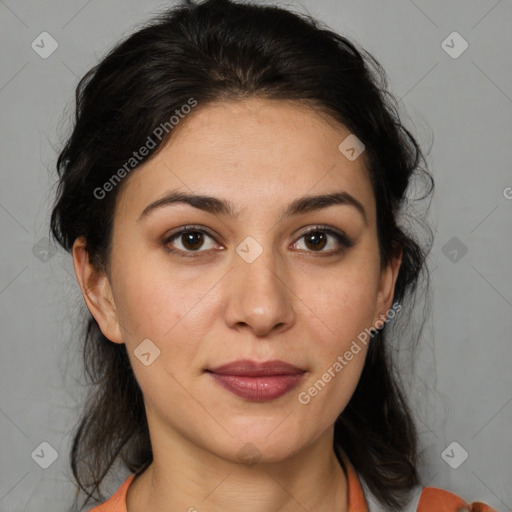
[{"x": 374, "y": 505}]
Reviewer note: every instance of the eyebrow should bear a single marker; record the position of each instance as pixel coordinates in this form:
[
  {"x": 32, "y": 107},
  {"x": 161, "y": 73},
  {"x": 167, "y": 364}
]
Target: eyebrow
[{"x": 217, "y": 206}]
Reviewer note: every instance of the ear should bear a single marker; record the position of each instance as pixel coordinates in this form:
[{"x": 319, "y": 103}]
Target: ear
[
  {"x": 387, "y": 283},
  {"x": 97, "y": 292}
]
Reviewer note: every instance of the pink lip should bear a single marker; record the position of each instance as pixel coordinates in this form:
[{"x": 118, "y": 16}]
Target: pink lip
[{"x": 258, "y": 381}]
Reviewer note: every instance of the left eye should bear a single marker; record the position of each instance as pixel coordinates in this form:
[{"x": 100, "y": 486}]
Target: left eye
[{"x": 317, "y": 238}]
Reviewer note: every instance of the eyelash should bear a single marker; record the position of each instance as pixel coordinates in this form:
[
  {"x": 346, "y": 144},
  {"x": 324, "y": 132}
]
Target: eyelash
[{"x": 339, "y": 236}]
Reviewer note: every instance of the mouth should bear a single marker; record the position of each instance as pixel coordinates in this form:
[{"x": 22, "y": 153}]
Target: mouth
[{"x": 258, "y": 382}]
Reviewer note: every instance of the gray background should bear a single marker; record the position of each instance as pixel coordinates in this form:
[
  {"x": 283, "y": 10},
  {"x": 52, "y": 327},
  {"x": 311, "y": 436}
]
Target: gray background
[{"x": 460, "y": 384}]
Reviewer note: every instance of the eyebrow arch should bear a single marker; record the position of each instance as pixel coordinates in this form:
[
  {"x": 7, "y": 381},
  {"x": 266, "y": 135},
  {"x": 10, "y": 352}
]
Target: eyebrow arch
[{"x": 221, "y": 206}]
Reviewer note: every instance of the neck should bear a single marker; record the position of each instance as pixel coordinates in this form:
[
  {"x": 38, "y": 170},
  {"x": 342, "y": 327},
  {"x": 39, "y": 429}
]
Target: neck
[{"x": 186, "y": 478}]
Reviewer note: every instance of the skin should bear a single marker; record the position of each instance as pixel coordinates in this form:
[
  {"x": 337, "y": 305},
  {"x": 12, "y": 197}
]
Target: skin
[{"x": 293, "y": 303}]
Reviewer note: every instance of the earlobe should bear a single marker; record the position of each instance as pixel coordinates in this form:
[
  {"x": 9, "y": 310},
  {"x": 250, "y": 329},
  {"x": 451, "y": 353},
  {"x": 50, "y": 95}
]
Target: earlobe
[{"x": 97, "y": 292}]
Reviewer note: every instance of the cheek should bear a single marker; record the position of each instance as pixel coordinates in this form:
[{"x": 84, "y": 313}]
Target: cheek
[
  {"x": 151, "y": 300},
  {"x": 343, "y": 304},
  {"x": 169, "y": 309},
  {"x": 346, "y": 302},
  {"x": 330, "y": 387},
  {"x": 345, "y": 309}
]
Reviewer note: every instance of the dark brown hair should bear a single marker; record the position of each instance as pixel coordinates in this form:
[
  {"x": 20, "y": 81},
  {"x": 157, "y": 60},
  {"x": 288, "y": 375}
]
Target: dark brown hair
[{"x": 213, "y": 51}]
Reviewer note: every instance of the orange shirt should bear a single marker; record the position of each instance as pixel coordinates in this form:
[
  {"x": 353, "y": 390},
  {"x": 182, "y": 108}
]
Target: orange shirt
[{"x": 431, "y": 499}]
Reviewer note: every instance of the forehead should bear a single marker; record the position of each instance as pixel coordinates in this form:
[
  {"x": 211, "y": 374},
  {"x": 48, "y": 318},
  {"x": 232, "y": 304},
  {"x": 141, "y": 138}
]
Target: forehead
[{"x": 256, "y": 153}]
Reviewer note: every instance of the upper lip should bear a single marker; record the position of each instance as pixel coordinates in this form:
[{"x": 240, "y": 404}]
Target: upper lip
[{"x": 255, "y": 369}]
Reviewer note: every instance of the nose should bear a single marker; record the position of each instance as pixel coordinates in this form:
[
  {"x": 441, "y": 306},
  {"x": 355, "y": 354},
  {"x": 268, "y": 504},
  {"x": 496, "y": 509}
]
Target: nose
[{"x": 260, "y": 295}]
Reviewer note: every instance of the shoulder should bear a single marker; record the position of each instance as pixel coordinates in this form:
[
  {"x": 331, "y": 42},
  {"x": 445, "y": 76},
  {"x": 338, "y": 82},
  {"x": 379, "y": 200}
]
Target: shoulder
[
  {"x": 422, "y": 499},
  {"x": 439, "y": 500},
  {"x": 429, "y": 499},
  {"x": 117, "y": 503}
]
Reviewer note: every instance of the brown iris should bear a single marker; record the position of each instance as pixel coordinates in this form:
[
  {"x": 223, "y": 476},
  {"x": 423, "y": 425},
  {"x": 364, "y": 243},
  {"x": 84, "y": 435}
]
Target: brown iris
[
  {"x": 192, "y": 240},
  {"x": 317, "y": 239}
]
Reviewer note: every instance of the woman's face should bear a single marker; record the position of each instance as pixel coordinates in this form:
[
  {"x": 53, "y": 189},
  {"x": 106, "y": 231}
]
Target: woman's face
[{"x": 246, "y": 283}]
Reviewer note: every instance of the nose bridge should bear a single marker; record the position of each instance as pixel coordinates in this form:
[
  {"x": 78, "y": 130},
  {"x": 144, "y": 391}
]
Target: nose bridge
[{"x": 259, "y": 295}]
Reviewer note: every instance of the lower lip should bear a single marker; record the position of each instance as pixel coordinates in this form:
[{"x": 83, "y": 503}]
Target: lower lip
[{"x": 258, "y": 389}]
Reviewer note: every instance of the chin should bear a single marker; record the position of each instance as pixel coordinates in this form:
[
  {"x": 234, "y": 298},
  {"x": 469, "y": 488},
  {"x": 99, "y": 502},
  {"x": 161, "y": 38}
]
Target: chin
[{"x": 258, "y": 445}]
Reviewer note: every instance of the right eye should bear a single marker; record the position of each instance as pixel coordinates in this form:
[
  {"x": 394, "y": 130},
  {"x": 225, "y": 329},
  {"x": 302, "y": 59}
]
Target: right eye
[{"x": 191, "y": 239}]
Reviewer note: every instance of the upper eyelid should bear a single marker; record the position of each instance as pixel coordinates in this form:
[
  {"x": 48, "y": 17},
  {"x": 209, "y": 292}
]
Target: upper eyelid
[{"x": 191, "y": 228}]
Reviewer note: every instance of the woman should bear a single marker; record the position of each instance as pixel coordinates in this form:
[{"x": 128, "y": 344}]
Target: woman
[{"x": 231, "y": 195}]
